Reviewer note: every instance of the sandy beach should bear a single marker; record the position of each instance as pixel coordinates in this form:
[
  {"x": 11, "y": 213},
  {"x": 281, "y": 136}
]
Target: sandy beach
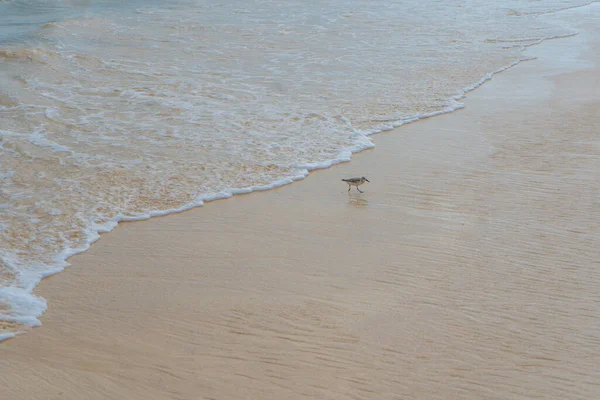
[{"x": 469, "y": 269}]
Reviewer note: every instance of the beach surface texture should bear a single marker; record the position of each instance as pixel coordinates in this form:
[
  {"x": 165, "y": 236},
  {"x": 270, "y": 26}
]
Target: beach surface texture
[{"x": 468, "y": 269}]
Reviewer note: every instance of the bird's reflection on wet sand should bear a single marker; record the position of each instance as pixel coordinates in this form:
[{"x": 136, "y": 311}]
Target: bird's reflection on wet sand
[{"x": 357, "y": 201}]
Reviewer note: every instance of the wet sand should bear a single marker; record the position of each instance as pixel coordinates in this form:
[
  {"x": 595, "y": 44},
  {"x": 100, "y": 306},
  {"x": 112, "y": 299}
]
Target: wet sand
[{"x": 469, "y": 269}]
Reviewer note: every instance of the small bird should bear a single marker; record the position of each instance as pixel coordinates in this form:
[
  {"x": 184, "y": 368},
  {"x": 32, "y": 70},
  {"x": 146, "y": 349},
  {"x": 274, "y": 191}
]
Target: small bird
[{"x": 355, "y": 182}]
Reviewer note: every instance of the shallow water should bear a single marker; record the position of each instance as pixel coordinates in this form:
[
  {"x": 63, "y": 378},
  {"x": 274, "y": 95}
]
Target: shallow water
[{"x": 110, "y": 113}]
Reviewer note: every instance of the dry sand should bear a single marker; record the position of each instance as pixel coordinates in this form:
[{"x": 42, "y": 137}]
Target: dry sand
[{"x": 469, "y": 269}]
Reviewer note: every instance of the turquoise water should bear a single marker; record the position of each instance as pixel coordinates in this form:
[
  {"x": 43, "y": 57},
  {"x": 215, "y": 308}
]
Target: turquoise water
[{"x": 20, "y": 20}]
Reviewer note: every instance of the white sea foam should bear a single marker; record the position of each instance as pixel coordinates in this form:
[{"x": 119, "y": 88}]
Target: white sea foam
[
  {"x": 23, "y": 307},
  {"x": 122, "y": 118},
  {"x": 4, "y": 336}
]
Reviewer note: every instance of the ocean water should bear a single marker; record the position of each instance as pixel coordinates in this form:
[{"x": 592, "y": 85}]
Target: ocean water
[{"x": 111, "y": 112}]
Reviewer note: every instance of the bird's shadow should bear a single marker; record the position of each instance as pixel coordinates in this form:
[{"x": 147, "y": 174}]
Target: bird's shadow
[{"x": 355, "y": 200}]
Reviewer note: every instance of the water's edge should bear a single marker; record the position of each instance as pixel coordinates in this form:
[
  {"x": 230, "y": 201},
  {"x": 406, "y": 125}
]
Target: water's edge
[{"x": 30, "y": 307}]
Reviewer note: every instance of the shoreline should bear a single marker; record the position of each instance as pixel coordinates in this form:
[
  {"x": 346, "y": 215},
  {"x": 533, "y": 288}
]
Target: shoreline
[
  {"x": 325, "y": 313},
  {"x": 94, "y": 231},
  {"x": 97, "y": 232}
]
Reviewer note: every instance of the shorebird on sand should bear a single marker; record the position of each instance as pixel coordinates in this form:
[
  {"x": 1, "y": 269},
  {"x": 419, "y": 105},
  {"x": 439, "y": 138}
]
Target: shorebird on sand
[{"x": 356, "y": 182}]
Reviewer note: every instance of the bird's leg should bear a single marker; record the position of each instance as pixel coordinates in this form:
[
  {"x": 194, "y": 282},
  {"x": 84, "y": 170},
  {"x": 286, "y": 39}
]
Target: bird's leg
[
  {"x": 349, "y": 187},
  {"x": 359, "y": 190}
]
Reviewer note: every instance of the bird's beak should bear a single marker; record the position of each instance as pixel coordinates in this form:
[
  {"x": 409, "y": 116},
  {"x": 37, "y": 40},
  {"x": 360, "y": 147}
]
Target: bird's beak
[{"x": 367, "y": 180}]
